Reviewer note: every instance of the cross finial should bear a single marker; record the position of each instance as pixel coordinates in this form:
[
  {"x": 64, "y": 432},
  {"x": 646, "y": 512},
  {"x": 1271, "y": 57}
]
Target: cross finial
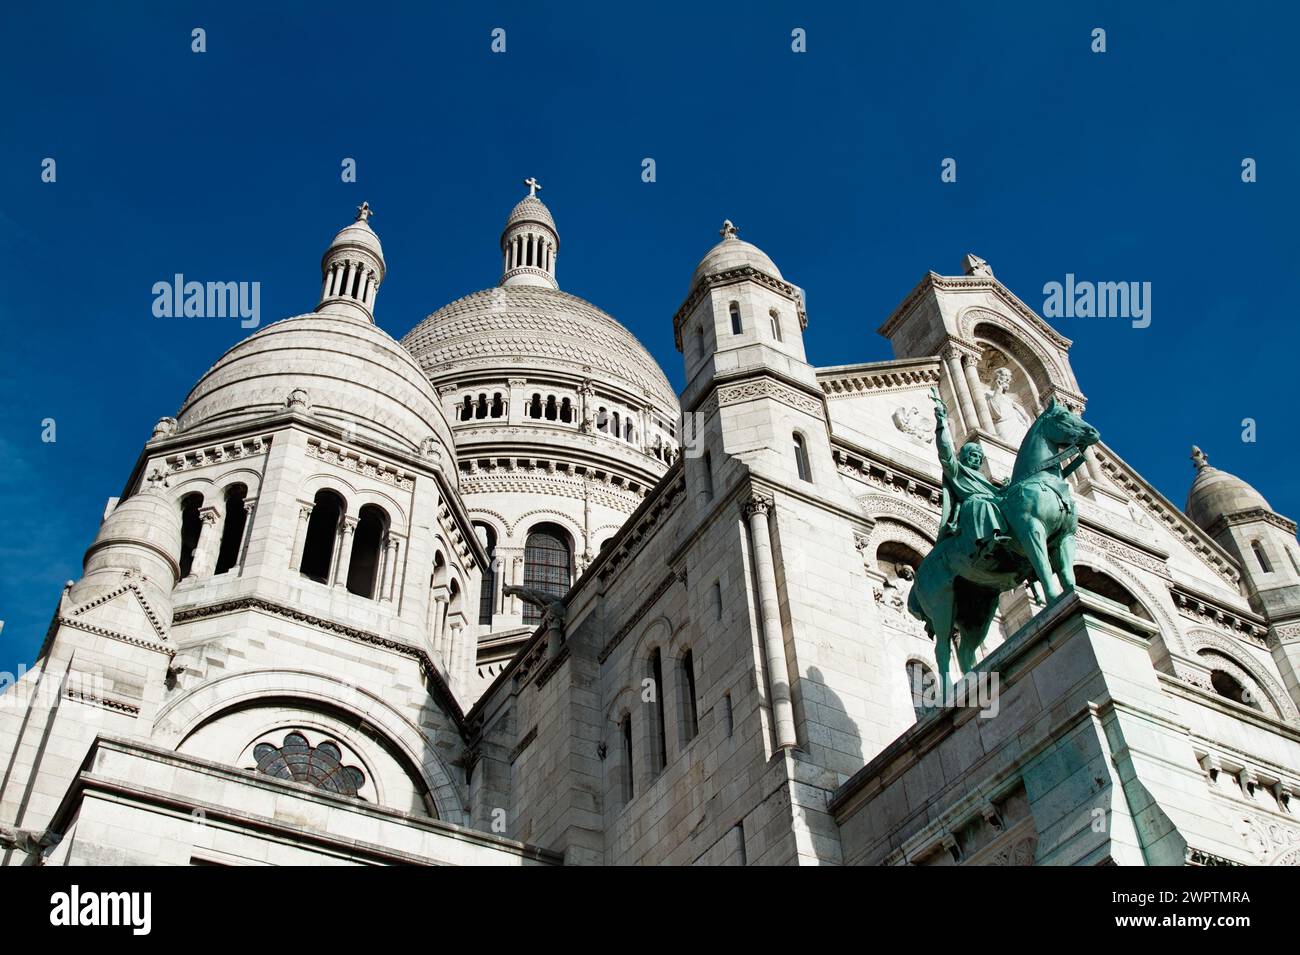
[
  {"x": 364, "y": 212},
  {"x": 1199, "y": 457},
  {"x": 728, "y": 231},
  {"x": 533, "y": 185}
]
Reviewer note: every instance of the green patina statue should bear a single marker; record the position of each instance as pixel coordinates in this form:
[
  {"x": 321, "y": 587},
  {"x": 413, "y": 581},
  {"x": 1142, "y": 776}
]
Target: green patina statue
[{"x": 993, "y": 538}]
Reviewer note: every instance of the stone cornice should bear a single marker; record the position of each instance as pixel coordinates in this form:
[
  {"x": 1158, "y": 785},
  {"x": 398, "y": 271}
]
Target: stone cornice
[
  {"x": 847, "y": 380},
  {"x": 441, "y": 691},
  {"x": 1251, "y": 516},
  {"x": 1210, "y": 611},
  {"x": 730, "y": 277},
  {"x": 977, "y": 283}
]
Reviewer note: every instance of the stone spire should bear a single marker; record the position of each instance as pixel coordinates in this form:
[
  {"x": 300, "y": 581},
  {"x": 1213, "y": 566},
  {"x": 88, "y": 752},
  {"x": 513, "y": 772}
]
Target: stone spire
[
  {"x": 529, "y": 243},
  {"x": 352, "y": 269}
]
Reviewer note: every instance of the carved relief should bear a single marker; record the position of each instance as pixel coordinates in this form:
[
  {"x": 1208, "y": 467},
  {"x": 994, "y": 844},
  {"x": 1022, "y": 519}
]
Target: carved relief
[{"x": 914, "y": 423}]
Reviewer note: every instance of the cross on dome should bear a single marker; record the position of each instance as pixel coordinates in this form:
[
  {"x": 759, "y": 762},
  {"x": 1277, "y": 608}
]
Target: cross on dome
[
  {"x": 728, "y": 231},
  {"x": 364, "y": 212},
  {"x": 533, "y": 185}
]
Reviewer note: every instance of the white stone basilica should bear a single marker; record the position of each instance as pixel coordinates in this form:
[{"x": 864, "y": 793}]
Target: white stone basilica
[{"x": 493, "y": 594}]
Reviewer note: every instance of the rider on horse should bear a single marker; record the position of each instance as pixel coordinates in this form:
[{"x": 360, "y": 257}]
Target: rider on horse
[{"x": 971, "y": 502}]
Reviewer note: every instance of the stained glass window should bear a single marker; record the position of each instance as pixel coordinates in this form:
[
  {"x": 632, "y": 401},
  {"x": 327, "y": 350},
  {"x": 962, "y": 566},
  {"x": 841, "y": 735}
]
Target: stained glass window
[
  {"x": 320, "y": 766},
  {"x": 546, "y": 566}
]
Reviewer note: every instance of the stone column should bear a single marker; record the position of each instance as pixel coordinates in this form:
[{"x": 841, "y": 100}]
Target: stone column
[
  {"x": 347, "y": 280},
  {"x": 205, "y": 551},
  {"x": 345, "y": 551},
  {"x": 249, "y": 508},
  {"x": 952, "y": 364},
  {"x": 778, "y": 669},
  {"x": 976, "y": 388},
  {"x": 300, "y": 537},
  {"x": 391, "y": 550},
  {"x": 515, "y": 410}
]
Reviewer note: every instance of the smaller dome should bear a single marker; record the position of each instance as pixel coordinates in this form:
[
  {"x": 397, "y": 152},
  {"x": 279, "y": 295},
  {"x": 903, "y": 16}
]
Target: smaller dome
[
  {"x": 358, "y": 235},
  {"x": 531, "y": 209},
  {"x": 733, "y": 253},
  {"x": 1216, "y": 493}
]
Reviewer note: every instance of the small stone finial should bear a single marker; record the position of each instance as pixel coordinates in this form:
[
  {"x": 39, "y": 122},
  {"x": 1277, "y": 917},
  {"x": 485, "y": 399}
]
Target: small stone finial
[
  {"x": 972, "y": 264},
  {"x": 533, "y": 185},
  {"x": 728, "y": 231},
  {"x": 1200, "y": 458},
  {"x": 364, "y": 212},
  {"x": 298, "y": 400},
  {"x": 164, "y": 427}
]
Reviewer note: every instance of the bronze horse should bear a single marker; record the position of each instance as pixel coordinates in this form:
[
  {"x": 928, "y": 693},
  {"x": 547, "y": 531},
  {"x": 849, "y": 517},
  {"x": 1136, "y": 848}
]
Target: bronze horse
[{"x": 959, "y": 585}]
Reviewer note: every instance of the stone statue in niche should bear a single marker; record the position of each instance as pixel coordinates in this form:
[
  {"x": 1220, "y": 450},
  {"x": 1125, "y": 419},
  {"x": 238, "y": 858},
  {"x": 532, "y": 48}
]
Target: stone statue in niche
[
  {"x": 915, "y": 424},
  {"x": 1010, "y": 418}
]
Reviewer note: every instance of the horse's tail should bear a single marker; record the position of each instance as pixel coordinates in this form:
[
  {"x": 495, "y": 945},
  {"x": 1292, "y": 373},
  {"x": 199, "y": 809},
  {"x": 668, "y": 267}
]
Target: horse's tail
[{"x": 913, "y": 607}]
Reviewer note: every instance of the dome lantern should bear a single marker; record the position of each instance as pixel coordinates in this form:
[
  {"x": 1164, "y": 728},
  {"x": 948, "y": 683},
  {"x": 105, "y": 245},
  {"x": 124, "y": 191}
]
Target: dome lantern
[
  {"x": 352, "y": 269},
  {"x": 529, "y": 243}
]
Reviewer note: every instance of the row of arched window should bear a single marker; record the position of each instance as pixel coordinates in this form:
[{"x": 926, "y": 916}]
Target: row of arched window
[
  {"x": 549, "y": 408},
  {"x": 738, "y": 325},
  {"x": 327, "y": 537},
  {"x": 684, "y": 690},
  {"x": 472, "y": 408},
  {"x": 233, "y": 524}
]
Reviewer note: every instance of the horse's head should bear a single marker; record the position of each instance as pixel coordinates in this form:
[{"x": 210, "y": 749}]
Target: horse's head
[{"x": 1062, "y": 428}]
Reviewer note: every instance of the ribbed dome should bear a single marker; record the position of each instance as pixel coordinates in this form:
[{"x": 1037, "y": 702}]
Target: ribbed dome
[
  {"x": 1215, "y": 493},
  {"x": 355, "y": 376},
  {"x": 517, "y": 327},
  {"x": 733, "y": 253},
  {"x": 531, "y": 209}
]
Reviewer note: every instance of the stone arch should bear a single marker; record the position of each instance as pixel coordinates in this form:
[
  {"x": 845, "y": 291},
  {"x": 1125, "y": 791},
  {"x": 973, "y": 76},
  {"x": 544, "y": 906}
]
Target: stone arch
[
  {"x": 892, "y": 531},
  {"x": 984, "y": 326},
  {"x": 178, "y": 719},
  {"x": 544, "y": 515},
  {"x": 1199, "y": 639},
  {"x": 1098, "y": 560},
  {"x": 357, "y": 497}
]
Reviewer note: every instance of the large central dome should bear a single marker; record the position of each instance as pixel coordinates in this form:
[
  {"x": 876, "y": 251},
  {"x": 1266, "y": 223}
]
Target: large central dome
[{"x": 516, "y": 327}]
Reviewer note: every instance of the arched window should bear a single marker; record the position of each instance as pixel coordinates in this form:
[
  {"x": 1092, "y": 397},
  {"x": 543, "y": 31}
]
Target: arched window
[
  {"x": 1103, "y": 585},
  {"x": 482, "y": 410},
  {"x": 191, "y": 524},
  {"x": 699, "y": 340},
  {"x": 498, "y": 405},
  {"x": 625, "y": 731},
  {"x": 488, "y": 589},
  {"x": 547, "y": 565},
  {"x": 552, "y": 410},
  {"x": 616, "y": 429},
  {"x": 775, "y": 319},
  {"x": 535, "y": 407},
  {"x": 602, "y": 420},
  {"x": 801, "y": 458},
  {"x": 706, "y": 468},
  {"x": 1229, "y": 687},
  {"x": 1260, "y": 556},
  {"x": 659, "y": 734},
  {"x": 566, "y": 411},
  {"x": 736, "y": 327},
  {"x": 690, "y": 712},
  {"x": 921, "y": 683},
  {"x": 367, "y": 546},
  {"x": 322, "y": 532},
  {"x": 232, "y": 531},
  {"x": 467, "y": 408}
]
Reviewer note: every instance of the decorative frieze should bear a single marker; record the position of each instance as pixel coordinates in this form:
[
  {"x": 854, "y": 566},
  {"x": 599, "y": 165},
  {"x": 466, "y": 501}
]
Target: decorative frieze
[
  {"x": 769, "y": 388},
  {"x": 360, "y": 464},
  {"x": 217, "y": 454}
]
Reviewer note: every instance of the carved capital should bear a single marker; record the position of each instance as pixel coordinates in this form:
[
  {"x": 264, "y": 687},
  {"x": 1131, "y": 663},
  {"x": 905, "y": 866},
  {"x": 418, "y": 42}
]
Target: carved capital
[{"x": 757, "y": 504}]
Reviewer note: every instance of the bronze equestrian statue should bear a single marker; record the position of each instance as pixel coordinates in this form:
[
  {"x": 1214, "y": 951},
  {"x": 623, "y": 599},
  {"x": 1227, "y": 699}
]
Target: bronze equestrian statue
[{"x": 992, "y": 538}]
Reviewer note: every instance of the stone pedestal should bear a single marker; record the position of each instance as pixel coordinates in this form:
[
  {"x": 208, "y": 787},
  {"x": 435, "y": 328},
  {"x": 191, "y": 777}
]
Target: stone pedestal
[{"x": 1079, "y": 758}]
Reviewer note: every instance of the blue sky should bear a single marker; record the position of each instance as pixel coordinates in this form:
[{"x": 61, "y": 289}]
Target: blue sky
[{"x": 1122, "y": 166}]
